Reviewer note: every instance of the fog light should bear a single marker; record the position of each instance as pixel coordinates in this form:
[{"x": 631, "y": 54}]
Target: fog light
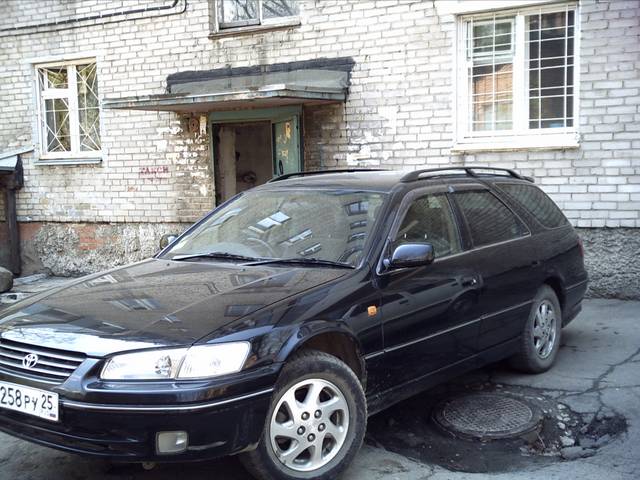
[{"x": 171, "y": 442}]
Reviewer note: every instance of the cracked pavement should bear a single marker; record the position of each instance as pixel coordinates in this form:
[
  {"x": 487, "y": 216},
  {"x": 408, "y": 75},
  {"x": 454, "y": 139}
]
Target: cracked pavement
[{"x": 597, "y": 377}]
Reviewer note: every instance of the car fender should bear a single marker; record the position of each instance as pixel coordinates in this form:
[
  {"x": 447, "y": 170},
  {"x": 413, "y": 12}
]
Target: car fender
[{"x": 303, "y": 333}]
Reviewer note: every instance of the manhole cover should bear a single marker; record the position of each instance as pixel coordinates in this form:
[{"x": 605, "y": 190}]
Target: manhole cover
[{"x": 486, "y": 416}]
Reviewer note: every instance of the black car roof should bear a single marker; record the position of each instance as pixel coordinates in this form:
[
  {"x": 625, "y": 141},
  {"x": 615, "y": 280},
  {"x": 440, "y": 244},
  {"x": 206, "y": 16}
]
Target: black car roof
[
  {"x": 376, "y": 180},
  {"x": 382, "y": 180}
]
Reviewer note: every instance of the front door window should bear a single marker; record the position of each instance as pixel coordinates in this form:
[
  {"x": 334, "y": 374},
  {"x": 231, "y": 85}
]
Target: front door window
[{"x": 429, "y": 220}]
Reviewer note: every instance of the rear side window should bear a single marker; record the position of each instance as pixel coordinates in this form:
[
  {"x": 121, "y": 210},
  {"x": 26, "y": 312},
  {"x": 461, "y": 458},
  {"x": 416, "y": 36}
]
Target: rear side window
[
  {"x": 536, "y": 202},
  {"x": 489, "y": 220}
]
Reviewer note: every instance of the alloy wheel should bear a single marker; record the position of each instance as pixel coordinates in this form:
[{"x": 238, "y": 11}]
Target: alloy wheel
[
  {"x": 309, "y": 425},
  {"x": 544, "y": 329}
]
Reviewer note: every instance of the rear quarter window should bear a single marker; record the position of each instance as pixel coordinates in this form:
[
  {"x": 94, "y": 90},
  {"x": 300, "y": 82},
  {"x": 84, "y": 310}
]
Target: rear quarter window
[
  {"x": 537, "y": 203},
  {"x": 489, "y": 220}
]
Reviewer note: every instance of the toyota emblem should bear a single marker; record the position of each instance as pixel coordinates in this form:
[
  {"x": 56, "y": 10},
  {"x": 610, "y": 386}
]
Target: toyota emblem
[{"x": 29, "y": 361}]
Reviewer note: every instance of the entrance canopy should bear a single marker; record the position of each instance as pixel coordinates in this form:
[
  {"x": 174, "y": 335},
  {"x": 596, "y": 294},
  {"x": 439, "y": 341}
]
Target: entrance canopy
[
  {"x": 10, "y": 160},
  {"x": 11, "y": 167},
  {"x": 313, "y": 82}
]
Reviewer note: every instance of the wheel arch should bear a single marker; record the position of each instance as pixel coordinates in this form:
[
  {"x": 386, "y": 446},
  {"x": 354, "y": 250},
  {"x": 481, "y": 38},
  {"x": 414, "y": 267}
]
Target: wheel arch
[
  {"x": 336, "y": 341},
  {"x": 557, "y": 286}
]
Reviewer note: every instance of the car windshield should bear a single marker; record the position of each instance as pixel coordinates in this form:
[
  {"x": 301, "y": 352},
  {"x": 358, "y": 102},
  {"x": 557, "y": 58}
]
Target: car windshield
[{"x": 313, "y": 225}]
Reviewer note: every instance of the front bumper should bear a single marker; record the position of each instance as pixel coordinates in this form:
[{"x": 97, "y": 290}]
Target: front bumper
[{"x": 126, "y": 432}]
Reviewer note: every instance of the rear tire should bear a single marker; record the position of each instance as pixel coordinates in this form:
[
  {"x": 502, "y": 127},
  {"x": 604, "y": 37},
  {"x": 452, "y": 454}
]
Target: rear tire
[
  {"x": 316, "y": 422},
  {"x": 541, "y": 335}
]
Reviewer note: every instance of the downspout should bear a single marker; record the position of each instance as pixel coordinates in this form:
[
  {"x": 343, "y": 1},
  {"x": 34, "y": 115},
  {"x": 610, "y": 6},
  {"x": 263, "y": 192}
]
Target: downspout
[
  {"x": 99, "y": 18},
  {"x": 12, "y": 183}
]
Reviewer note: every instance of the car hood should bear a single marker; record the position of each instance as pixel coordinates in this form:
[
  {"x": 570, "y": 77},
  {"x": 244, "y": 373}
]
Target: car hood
[{"x": 154, "y": 303}]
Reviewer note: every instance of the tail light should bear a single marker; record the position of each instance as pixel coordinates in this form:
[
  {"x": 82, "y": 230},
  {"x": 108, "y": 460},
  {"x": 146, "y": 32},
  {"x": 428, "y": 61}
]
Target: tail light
[{"x": 581, "y": 247}]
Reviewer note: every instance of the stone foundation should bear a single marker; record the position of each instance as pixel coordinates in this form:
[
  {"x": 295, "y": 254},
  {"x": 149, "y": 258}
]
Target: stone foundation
[
  {"x": 72, "y": 249},
  {"x": 612, "y": 256}
]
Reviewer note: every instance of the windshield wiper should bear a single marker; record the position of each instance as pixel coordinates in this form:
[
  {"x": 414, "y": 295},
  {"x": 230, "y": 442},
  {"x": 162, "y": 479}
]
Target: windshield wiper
[
  {"x": 302, "y": 261},
  {"x": 220, "y": 255}
]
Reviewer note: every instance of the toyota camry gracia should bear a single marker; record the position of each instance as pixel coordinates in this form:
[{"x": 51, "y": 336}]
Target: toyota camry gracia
[{"x": 277, "y": 324}]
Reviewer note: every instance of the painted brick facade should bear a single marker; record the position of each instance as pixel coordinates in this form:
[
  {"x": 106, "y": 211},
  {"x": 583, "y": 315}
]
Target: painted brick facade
[{"x": 398, "y": 112}]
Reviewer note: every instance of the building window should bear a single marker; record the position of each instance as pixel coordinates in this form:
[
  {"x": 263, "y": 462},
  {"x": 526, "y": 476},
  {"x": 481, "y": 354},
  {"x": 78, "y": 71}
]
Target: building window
[
  {"x": 490, "y": 51},
  {"x": 517, "y": 76},
  {"x": 248, "y": 13},
  {"x": 69, "y": 109}
]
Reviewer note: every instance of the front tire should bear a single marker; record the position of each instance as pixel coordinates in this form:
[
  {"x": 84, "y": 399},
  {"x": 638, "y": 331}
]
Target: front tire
[
  {"x": 541, "y": 336},
  {"x": 316, "y": 422}
]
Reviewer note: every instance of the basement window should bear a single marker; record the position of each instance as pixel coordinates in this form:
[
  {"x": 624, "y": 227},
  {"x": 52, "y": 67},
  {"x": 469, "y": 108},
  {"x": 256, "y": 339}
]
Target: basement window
[
  {"x": 248, "y": 15},
  {"x": 69, "y": 110}
]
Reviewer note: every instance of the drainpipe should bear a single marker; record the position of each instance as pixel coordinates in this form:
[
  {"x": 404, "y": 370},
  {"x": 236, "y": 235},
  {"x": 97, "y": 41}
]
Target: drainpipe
[
  {"x": 154, "y": 11},
  {"x": 12, "y": 183}
]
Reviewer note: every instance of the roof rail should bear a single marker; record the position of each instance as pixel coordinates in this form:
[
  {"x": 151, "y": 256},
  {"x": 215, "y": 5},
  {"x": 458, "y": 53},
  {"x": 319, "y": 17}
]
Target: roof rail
[
  {"x": 470, "y": 171},
  {"x": 321, "y": 172}
]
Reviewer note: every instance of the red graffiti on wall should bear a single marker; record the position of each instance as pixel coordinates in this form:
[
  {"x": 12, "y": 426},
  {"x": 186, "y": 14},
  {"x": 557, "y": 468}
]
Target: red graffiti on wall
[{"x": 153, "y": 172}]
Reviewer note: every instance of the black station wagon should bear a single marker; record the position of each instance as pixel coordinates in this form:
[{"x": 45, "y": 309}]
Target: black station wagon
[{"x": 274, "y": 326}]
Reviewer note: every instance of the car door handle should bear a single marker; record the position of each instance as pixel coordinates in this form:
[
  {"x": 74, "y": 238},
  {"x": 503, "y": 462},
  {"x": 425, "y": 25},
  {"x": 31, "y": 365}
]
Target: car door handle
[
  {"x": 536, "y": 263},
  {"x": 469, "y": 281}
]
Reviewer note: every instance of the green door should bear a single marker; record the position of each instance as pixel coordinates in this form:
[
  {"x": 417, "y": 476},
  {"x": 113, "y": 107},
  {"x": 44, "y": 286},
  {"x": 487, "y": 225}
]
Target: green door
[{"x": 286, "y": 145}]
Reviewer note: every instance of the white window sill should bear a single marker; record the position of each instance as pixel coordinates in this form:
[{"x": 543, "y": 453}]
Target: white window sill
[
  {"x": 226, "y": 32},
  {"x": 515, "y": 143},
  {"x": 48, "y": 162}
]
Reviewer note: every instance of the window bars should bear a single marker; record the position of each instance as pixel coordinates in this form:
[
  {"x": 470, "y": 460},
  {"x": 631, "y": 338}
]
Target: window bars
[
  {"x": 70, "y": 109},
  {"x": 519, "y": 70}
]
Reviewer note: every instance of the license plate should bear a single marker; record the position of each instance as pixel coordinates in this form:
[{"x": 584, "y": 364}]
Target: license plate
[{"x": 32, "y": 401}]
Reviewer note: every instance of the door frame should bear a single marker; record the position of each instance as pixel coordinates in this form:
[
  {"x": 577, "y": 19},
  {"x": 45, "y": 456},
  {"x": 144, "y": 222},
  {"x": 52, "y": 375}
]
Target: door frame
[
  {"x": 255, "y": 115},
  {"x": 272, "y": 115}
]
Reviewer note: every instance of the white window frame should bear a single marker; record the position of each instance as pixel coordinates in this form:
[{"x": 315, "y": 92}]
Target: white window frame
[
  {"x": 246, "y": 26},
  {"x": 520, "y": 136},
  {"x": 70, "y": 93}
]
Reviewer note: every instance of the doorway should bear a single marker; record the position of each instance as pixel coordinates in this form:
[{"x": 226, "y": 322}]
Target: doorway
[{"x": 251, "y": 147}]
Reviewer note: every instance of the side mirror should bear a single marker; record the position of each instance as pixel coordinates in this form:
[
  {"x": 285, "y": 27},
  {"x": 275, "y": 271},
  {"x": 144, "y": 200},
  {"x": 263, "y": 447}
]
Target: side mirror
[
  {"x": 411, "y": 255},
  {"x": 167, "y": 240}
]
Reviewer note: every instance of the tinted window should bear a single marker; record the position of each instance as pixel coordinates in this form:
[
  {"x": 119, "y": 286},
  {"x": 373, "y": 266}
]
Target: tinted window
[
  {"x": 536, "y": 202},
  {"x": 489, "y": 220},
  {"x": 429, "y": 220}
]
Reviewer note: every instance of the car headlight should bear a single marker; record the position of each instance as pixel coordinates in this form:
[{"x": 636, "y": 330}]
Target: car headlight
[{"x": 199, "y": 361}]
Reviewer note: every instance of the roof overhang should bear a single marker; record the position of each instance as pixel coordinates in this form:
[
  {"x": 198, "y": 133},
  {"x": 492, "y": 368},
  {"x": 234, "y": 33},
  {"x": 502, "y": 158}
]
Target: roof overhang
[
  {"x": 271, "y": 96},
  {"x": 272, "y": 89}
]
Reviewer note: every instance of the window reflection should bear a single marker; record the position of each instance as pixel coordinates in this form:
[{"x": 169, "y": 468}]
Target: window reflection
[
  {"x": 132, "y": 304},
  {"x": 324, "y": 224},
  {"x": 241, "y": 310},
  {"x": 357, "y": 208}
]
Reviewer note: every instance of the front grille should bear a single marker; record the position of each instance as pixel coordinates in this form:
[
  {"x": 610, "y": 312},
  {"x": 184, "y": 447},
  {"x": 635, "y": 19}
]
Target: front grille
[{"x": 52, "y": 365}]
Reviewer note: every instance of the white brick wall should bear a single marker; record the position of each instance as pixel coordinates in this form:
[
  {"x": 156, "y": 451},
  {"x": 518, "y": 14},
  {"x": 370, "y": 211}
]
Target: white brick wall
[{"x": 398, "y": 113}]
